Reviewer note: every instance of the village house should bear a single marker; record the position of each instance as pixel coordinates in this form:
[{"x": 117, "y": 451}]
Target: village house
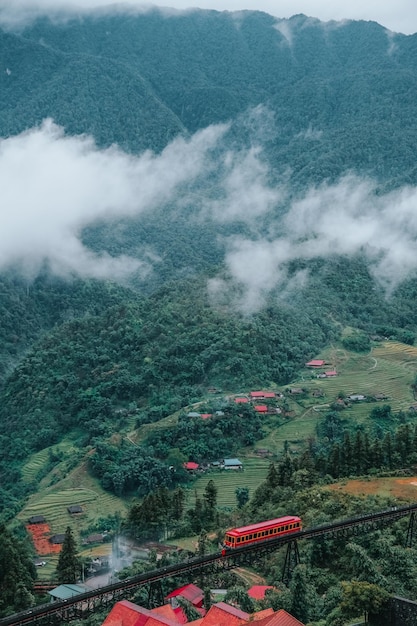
[
  {"x": 232, "y": 464},
  {"x": 193, "y": 594},
  {"x": 316, "y": 363},
  {"x": 220, "y": 614},
  {"x": 356, "y": 397},
  {"x": 265, "y": 395},
  {"x": 261, "y": 408},
  {"x": 37, "y": 519},
  {"x": 74, "y": 508},
  {"x": 190, "y": 466}
]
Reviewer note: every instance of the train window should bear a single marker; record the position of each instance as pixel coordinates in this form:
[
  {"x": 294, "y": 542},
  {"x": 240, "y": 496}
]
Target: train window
[
  {"x": 250, "y": 537},
  {"x": 290, "y": 526},
  {"x": 238, "y": 539},
  {"x": 286, "y": 528}
]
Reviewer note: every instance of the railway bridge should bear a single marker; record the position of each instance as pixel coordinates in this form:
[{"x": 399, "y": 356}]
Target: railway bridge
[{"x": 79, "y": 606}]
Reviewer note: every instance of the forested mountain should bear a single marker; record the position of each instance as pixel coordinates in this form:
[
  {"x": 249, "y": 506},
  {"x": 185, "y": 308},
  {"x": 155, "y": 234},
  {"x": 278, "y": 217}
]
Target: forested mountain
[
  {"x": 281, "y": 213},
  {"x": 139, "y": 79}
]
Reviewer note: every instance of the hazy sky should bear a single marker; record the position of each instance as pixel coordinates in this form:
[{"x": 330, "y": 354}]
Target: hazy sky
[{"x": 397, "y": 15}]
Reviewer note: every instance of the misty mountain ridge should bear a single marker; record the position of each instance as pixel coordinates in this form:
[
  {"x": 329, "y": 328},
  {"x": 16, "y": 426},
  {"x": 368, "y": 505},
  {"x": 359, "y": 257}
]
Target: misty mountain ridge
[{"x": 304, "y": 105}]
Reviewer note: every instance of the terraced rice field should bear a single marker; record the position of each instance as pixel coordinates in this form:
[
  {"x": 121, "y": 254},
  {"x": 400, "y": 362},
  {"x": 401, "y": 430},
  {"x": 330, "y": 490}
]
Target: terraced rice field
[
  {"x": 388, "y": 369},
  {"x": 226, "y": 481},
  {"x": 39, "y": 460}
]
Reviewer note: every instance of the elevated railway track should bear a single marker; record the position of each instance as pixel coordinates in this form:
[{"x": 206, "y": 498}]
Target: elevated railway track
[{"x": 81, "y": 605}]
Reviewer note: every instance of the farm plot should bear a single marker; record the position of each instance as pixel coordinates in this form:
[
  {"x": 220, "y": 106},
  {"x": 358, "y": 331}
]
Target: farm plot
[
  {"x": 254, "y": 473},
  {"x": 40, "y": 534},
  {"x": 39, "y": 460},
  {"x": 389, "y": 369},
  {"x": 53, "y": 506},
  {"x": 294, "y": 431}
]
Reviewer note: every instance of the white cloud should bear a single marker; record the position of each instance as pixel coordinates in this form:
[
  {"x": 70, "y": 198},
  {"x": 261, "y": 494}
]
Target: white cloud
[
  {"x": 245, "y": 192},
  {"x": 53, "y": 185},
  {"x": 346, "y": 218}
]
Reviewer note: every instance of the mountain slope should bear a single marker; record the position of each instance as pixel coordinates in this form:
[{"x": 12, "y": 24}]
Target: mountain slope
[{"x": 140, "y": 79}]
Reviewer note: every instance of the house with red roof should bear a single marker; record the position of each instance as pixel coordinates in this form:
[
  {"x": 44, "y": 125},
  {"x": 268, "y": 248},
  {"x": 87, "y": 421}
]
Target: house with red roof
[
  {"x": 222, "y": 614},
  {"x": 190, "y": 592},
  {"x": 316, "y": 363},
  {"x": 280, "y": 618},
  {"x": 241, "y": 400},
  {"x": 125, "y": 613},
  {"x": 261, "y": 408},
  {"x": 262, "y": 394},
  {"x": 190, "y": 466},
  {"x": 330, "y": 373}
]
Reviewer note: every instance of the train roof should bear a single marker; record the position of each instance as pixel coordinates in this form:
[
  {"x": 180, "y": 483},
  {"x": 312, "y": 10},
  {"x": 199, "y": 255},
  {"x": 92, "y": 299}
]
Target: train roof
[{"x": 287, "y": 519}]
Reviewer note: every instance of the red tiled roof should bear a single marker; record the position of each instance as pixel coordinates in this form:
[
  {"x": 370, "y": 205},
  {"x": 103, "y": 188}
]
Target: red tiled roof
[
  {"x": 191, "y": 466},
  {"x": 257, "y": 592},
  {"x": 205, "y": 416},
  {"x": 331, "y": 373},
  {"x": 262, "y": 394},
  {"x": 255, "y": 617},
  {"x": 190, "y": 592},
  {"x": 125, "y": 613},
  {"x": 167, "y": 611},
  {"x": 280, "y": 618},
  {"x": 241, "y": 400},
  {"x": 315, "y": 363},
  {"x": 222, "y": 614},
  {"x": 180, "y": 615},
  {"x": 261, "y": 408}
]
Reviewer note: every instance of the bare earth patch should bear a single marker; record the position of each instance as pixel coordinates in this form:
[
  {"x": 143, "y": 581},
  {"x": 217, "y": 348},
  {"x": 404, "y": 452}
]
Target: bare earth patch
[
  {"x": 40, "y": 534},
  {"x": 401, "y": 488}
]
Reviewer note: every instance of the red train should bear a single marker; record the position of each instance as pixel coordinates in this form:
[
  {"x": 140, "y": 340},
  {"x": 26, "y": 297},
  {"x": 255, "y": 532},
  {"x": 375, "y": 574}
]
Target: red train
[{"x": 237, "y": 537}]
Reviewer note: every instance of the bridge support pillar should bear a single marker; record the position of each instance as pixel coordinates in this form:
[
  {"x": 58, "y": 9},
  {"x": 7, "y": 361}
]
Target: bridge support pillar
[
  {"x": 155, "y": 594},
  {"x": 411, "y": 530},
  {"x": 292, "y": 559}
]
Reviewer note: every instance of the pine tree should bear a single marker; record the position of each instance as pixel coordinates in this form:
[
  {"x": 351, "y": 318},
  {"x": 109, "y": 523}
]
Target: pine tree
[
  {"x": 299, "y": 590},
  {"x": 272, "y": 478},
  {"x": 210, "y": 501},
  {"x": 17, "y": 574},
  {"x": 68, "y": 568}
]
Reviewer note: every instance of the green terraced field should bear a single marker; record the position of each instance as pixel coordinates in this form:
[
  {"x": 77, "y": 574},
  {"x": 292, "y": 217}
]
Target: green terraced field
[
  {"x": 255, "y": 471},
  {"x": 390, "y": 368},
  {"x": 39, "y": 460}
]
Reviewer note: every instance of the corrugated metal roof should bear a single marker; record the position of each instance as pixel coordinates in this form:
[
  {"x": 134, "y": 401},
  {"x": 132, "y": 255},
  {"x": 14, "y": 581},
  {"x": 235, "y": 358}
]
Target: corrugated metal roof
[{"x": 64, "y": 592}]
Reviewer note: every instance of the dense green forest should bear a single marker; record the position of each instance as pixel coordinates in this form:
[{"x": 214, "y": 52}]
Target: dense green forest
[
  {"x": 138, "y": 80},
  {"x": 96, "y": 359}
]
